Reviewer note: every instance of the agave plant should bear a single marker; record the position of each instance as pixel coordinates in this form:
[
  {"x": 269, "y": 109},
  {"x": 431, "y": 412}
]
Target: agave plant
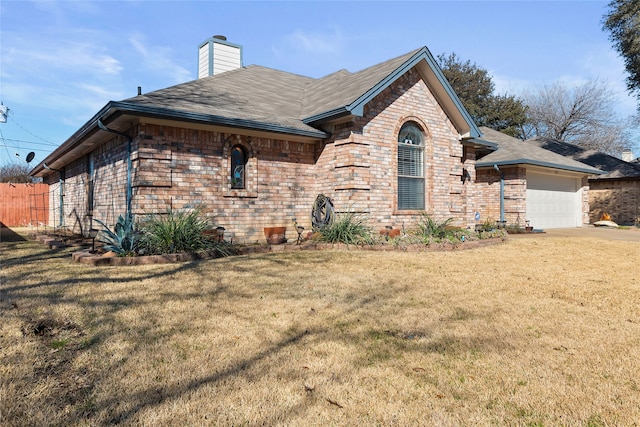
[{"x": 123, "y": 239}]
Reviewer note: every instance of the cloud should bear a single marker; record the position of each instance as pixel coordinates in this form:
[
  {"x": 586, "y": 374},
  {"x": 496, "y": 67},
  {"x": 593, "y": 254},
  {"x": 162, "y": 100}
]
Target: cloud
[
  {"x": 38, "y": 57},
  {"x": 310, "y": 53},
  {"x": 317, "y": 43},
  {"x": 159, "y": 60},
  {"x": 49, "y": 70}
]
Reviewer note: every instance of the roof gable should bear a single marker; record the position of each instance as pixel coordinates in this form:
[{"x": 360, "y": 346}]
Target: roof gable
[{"x": 344, "y": 92}]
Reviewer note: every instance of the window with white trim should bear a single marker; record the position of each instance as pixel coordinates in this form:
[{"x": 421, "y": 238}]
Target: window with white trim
[{"x": 410, "y": 167}]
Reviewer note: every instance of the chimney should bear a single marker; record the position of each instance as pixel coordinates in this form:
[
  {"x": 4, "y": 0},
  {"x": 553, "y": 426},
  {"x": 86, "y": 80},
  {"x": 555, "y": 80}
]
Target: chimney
[
  {"x": 627, "y": 156},
  {"x": 216, "y": 55}
]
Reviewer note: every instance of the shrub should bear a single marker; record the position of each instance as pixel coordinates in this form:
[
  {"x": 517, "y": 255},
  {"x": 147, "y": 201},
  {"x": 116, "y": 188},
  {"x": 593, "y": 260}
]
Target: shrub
[
  {"x": 123, "y": 239},
  {"x": 430, "y": 230},
  {"x": 349, "y": 228},
  {"x": 182, "y": 231}
]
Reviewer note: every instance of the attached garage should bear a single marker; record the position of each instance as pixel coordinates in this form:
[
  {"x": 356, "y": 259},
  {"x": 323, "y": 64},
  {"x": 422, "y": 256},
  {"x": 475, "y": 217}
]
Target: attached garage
[
  {"x": 553, "y": 200},
  {"x": 536, "y": 185}
]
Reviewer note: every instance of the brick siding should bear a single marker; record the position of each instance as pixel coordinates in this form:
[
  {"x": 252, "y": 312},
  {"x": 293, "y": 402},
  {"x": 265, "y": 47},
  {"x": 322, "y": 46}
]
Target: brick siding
[
  {"x": 179, "y": 167},
  {"x": 619, "y": 198}
]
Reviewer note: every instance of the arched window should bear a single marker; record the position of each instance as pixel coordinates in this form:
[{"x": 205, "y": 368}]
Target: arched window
[
  {"x": 238, "y": 162},
  {"x": 410, "y": 167}
]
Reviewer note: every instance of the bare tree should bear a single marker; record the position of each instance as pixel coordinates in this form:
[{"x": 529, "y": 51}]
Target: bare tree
[
  {"x": 15, "y": 172},
  {"x": 583, "y": 115}
]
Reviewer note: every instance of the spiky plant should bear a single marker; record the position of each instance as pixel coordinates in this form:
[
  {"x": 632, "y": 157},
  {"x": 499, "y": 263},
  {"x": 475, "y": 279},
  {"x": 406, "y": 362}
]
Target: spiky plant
[
  {"x": 349, "y": 228},
  {"x": 179, "y": 231},
  {"x": 123, "y": 239}
]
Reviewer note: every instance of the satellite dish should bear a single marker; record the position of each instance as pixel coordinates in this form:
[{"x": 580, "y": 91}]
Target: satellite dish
[{"x": 30, "y": 156}]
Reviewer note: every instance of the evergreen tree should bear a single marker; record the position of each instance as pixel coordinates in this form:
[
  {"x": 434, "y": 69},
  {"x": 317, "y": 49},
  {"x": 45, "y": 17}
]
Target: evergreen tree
[
  {"x": 474, "y": 87},
  {"x": 623, "y": 23}
]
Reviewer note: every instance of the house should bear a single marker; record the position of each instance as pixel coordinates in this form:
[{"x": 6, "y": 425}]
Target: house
[
  {"x": 616, "y": 192},
  {"x": 538, "y": 186},
  {"x": 256, "y": 146}
]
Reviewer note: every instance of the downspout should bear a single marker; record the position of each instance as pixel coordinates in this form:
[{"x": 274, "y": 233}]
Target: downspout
[
  {"x": 62, "y": 179},
  {"x": 129, "y": 167},
  {"x": 501, "y": 193}
]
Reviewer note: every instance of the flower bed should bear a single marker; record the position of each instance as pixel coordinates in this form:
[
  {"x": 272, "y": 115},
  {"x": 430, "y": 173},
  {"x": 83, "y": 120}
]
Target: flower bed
[{"x": 100, "y": 259}]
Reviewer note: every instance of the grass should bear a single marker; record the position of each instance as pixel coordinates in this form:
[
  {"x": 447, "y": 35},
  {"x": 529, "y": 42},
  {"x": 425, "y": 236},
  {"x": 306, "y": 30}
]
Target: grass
[{"x": 539, "y": 331}]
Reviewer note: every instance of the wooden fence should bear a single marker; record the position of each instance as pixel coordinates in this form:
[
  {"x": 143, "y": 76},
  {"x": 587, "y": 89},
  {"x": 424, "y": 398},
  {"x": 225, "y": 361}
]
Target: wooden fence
[{"x": 24, "y": 204}]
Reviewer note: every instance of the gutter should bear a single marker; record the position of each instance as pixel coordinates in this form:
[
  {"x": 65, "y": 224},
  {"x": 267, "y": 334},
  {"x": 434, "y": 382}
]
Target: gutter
[
  {"x": 117, "y": 107},
  {"x": 515, "y": 162},
  {"x": 148, "y": 111},
  {"x": 502, "y": 220}
]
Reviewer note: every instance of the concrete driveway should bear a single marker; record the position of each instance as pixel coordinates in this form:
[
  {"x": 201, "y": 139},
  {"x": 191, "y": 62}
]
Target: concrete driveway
[{"x": 628, "y": 235}]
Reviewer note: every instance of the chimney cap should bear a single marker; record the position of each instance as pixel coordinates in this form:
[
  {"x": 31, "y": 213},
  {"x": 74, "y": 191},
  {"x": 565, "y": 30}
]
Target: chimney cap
[{"x": 220, "y": 37}]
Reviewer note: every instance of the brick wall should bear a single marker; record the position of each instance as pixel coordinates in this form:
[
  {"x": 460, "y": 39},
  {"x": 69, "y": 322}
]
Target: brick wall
[
  {"x": 358, "y": 167},
  {"x": 109, "y": 189},
  {"x": 515, "y": 192},
  {"x": 193, "y": 169},
  {"x": 586, "y": 196},
  {"x": 176, "y": 168},
  {"x": 618, "y": 198}
]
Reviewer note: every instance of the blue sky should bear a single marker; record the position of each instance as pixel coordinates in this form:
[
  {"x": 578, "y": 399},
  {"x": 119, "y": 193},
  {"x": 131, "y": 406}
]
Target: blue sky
[{"x": 61, "y": 61}]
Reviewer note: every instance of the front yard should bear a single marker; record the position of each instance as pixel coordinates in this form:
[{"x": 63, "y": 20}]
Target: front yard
[{"x": 537, "y": 331}]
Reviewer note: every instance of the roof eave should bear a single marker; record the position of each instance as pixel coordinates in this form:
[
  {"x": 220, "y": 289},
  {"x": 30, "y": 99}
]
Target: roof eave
[
  {"x": 118, "y": 107},
  {"x": 148, "y": 111},
  {"x": 540, "y": 163},
  {"x": 480, "y": 143},
  {"x": 327, "y": 115},
  {"x": 73, "y": 141}
]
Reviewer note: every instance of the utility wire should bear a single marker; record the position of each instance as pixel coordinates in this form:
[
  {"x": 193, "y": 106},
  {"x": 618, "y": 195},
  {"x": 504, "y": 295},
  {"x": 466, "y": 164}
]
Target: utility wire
[
  {"x": 29, "y": 142},
  {"x": 5, "y": 146},
  {"x": 29, "y": 132}
]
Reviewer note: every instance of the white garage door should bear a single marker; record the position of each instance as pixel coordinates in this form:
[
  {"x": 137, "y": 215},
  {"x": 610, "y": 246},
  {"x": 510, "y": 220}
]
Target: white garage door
[{"x": 553, "y": 201}]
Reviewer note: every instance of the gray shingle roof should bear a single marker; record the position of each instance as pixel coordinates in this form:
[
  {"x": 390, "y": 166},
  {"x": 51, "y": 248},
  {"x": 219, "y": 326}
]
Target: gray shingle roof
[
  {"x": 263, "y": 94},
  {"x": 614, "y": 167},
  {"x": 265, "y": 99},
  {"x": 512, "y": 151},
  {"x": 343, "y": 88},
  {"x": 252, "y": 93},
  {"x": 260, "y": 95}
]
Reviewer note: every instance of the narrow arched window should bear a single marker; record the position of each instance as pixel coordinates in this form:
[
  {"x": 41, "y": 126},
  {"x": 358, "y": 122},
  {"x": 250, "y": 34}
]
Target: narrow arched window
[
  {"x": 410, "y": 167},
  {"x": 238, "y": 162}
]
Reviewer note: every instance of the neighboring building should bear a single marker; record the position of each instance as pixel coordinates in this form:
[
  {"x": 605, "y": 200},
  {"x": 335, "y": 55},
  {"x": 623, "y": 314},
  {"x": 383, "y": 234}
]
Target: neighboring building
[
  {"x": 616, "y": 192},
  {"x": 255, "y": 146}
]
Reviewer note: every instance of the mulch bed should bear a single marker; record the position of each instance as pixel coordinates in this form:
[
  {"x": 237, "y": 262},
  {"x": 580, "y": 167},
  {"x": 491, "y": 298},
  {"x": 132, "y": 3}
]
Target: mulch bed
[{"x": 99, "y": 259}]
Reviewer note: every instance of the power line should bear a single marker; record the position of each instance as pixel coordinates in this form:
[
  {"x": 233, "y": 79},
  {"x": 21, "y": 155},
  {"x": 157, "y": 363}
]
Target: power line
[
  {"x": 19, "y": 141},
  {"x": 29, "y": 132},
  {"x": 5, "y": 146}
]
